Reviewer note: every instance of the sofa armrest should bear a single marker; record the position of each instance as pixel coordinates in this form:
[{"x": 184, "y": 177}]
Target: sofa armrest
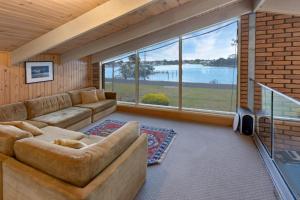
[
  {"x": 110, "y": 95},
  {"x": 120, "y": 180}
]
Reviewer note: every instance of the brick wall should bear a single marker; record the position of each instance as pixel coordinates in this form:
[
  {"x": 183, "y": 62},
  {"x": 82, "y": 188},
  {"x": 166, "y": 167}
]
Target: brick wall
[
  {"x": 277, "y": 53},
  {"x": 277, "y": 66}
]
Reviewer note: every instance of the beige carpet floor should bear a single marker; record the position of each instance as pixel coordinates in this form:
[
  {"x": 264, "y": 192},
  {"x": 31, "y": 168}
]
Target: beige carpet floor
[{"x": 205, "y": 163}]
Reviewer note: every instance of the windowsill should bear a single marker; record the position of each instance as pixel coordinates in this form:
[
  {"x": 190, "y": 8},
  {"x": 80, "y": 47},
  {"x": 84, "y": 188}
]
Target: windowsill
[{"x": 173, "y": 108}]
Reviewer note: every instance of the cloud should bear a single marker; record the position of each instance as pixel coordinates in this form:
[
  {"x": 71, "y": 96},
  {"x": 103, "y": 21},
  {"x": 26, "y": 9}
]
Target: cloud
[{"x": 212, "y": 46}]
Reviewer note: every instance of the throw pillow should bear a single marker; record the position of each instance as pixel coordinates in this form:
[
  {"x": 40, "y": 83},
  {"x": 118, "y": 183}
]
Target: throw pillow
[
  {"x": 88, "y": 97},
  {"x": 9, "y": 130},
  {"x": 101, "y": 95},
  {"x": 75, "y": 144},
  {"x": 35, "y": 131}
]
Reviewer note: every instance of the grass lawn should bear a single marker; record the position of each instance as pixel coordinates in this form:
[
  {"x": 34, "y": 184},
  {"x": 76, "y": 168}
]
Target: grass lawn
[{"x": 201, "y": 98}]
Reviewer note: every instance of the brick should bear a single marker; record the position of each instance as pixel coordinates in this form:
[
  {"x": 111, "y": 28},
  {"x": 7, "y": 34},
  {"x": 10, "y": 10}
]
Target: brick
[
  {"x": 282, "y": 53},
  {"x": 275, "y": 40},
  {"x": 293, "y": 76},
  {"x": 282, "y": 26},
  {"x": 281, "y": 81},
  {"x": 282, "y": 35},
  {"x": 296, "y": 34},
  {"x": 296, "y": 44},
  {"x": 271, "y": 76},
  {"x": 283, "y": 44},
  {"x": 263, "y": 71},
  {"x": 296, "y": 53},
  {"x": 275, "y": 49},
  {"x": 263, "y": 54},
  {"x": 296, "y": 71},
  {"x": 282, "y": 16},
  {"x": 292, "y": 67},
  {"x": 293, "y": 39},
  {"x": 295, "y": 19},
  {"x": 274, "y": 31},
  {"x": 293, "y": 48},
  {"x": 275, "y": 85},
  {"x": 272, "y": 58},
  {"x": 292, "y": 85},
  {"x": 275, "y": 67},
  {"x": 273, "y": 22},
  {"x": 282, "y": 62},
  {"x": 263, "y": 45},
  {"x": 263, "y": 62},
  {"x": 264, "y": 19},
  {"x": 293, "y": 29},
  {"x": 292, "y": 58},
  {"x": 282, "y": 71}
]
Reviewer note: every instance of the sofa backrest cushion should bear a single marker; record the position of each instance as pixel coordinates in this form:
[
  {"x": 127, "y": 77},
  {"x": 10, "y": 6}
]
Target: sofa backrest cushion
[
  {"x": 8, "y": 136},
  {"x": 75, "y": 95},
  {"x": 13, "y": 112},
  {"x": 76, "y": 166},
  {"x": 49, "y": 104}
]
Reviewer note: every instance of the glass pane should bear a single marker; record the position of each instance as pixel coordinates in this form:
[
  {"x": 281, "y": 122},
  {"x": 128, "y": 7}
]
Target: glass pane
[
  {"x": 287, "y": 140},
  {"x": 210, "y": 68},
  {"x": 108, "y": 74},
  {"x": 262, "y": 111},
  {"x": 120, "y": 77},
  {"x": 158, "y": 70}
]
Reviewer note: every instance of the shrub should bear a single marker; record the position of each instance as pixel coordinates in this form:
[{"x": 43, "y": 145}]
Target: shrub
[{"x": 156, "y": 98}]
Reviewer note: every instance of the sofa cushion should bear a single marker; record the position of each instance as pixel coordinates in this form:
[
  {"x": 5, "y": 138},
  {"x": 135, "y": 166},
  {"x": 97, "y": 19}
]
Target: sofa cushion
[
  {"x": 66, "y": 117},
  {"x": 91, "y": 139},
  {"x": 13, "y": 112},
  {"x": 101, "y": 95},
  {"x": 99, "y": 106},
  {"x": 51, "y": 133},
  {"x": 76, "y": 166},
  {"x": 36, "y": 123},
  {"x": 75, "y": 144},
  {"x": 44, "y": 105},
  {"x": 24, "y": 126},
  {"x": 8, "y": 135},
  {"x": 75, "y": 95},
  {"x": 89, "y": 96}
]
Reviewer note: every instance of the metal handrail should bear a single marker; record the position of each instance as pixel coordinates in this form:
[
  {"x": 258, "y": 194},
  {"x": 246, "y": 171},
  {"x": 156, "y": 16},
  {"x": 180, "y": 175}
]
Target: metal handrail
[{"x": 276, "y": 91}]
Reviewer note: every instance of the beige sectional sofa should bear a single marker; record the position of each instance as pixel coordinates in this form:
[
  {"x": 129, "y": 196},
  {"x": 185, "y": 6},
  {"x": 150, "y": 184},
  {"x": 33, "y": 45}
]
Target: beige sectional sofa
[{"x": 34, "y": 168}]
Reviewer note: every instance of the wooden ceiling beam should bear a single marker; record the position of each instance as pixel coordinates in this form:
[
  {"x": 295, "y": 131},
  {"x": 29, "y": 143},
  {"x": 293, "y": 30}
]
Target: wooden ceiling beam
[
  {"x": 158, "y": 22},
  {"x": 96, "y": 17},
  {"x": 203, "y": 21}
]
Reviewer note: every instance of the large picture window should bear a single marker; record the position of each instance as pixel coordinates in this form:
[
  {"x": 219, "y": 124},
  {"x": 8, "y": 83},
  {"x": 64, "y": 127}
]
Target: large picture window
[
  {"x": 120, "y": 77},
  {"x": 210, "y": 68},
  {"x": 158, "y": 72},
  {"x": 195, "y": 71}
]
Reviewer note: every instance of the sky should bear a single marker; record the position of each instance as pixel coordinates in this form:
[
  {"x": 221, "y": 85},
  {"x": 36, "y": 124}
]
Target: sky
[{"x": 213, "y": 45}]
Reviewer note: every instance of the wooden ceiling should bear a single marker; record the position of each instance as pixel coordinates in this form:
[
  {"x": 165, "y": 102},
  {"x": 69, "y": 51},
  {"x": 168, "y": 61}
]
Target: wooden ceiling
[
  {"x": 24, "y": 20},
  {"x": 122, "y": 23}
]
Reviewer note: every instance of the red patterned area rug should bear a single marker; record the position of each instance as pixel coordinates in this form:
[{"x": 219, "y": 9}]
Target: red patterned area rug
[{"x": 159, "y": 139}]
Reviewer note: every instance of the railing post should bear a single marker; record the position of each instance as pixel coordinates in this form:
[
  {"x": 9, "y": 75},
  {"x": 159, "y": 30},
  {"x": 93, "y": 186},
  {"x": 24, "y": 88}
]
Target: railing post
[{"x": 272, "y": 125}]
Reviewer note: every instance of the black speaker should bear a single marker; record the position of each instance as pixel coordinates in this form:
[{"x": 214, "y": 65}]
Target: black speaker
[{"x": 247, "y": 121}]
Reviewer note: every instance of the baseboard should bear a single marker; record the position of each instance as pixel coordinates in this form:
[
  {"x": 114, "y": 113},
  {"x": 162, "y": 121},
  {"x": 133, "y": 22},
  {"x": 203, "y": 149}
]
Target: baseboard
[{"x": 200, "y": 117}]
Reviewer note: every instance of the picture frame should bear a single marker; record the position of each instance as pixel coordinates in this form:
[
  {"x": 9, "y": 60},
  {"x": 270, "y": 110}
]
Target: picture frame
[{"x": 38, "y": 71}]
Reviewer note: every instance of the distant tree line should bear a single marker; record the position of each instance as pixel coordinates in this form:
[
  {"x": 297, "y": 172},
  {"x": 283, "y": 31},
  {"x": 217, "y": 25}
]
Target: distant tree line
[{"x": 146, "y": 68}]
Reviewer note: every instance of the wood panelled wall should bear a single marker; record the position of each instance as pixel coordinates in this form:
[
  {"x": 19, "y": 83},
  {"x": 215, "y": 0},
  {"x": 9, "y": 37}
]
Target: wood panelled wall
[{"x": 69, "y": 76}]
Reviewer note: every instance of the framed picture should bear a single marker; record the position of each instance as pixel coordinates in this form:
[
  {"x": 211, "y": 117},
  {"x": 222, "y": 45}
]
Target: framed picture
[{"x": 39, "y": 71}]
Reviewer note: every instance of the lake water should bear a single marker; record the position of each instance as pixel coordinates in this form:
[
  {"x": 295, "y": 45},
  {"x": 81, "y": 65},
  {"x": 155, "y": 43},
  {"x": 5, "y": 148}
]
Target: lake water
[{"x": 192, "y": 73}]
